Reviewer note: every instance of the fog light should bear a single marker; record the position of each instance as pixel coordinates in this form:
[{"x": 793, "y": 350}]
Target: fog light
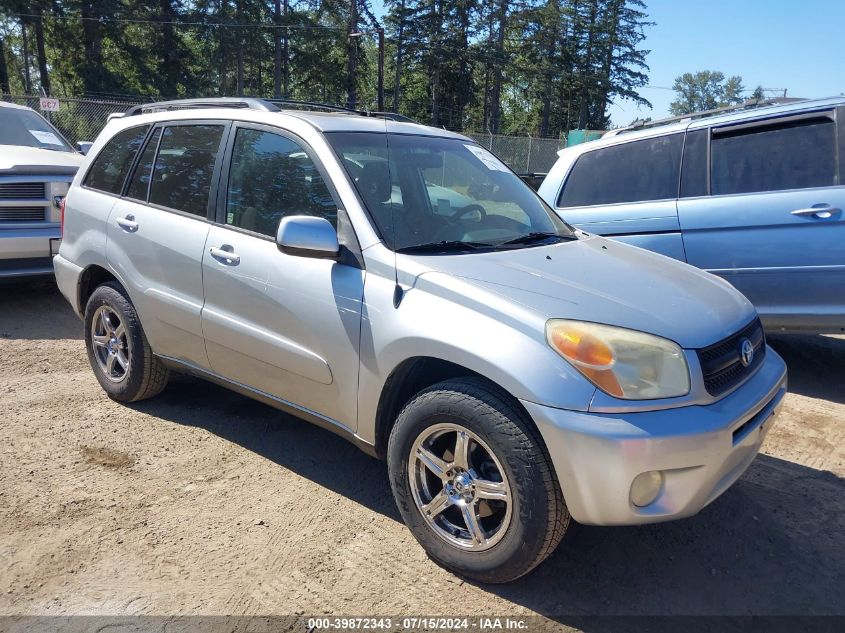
[{"x": 645, "y": 487}]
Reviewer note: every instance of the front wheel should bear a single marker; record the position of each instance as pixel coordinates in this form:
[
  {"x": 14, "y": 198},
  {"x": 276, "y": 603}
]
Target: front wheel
[{"x": 473, "y": 482}]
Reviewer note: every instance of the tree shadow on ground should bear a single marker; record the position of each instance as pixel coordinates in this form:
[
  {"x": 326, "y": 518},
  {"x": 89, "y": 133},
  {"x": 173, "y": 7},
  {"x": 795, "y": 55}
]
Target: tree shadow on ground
[{"x": 35, "y": 310}]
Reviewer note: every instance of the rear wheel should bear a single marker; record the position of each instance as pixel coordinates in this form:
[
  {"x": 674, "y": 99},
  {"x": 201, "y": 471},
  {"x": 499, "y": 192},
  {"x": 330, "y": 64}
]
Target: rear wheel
[
  {"x": 473, "y": 483},
  {"x": 118, "y": 351}
]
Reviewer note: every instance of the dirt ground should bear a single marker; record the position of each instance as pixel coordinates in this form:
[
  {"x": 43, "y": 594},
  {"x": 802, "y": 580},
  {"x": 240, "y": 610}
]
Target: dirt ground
[{"x": 204, "y": 502}]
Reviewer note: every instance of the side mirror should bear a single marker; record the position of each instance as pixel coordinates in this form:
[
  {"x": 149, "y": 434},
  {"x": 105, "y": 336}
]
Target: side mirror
[
  {"x": 84, "y": 146},
  {"x": 307, "y": 236}
]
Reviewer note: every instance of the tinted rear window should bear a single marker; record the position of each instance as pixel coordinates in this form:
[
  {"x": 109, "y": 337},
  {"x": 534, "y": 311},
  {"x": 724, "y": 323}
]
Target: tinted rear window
[
  {"x": 630, "y": 172},
  {"x": 109, "y": 169},
  {"x": 184, "y": 167},
  {"x": 794, "y": 155}
]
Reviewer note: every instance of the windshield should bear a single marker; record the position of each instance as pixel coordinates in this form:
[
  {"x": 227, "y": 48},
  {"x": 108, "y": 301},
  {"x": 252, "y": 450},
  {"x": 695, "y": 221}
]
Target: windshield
[
  {"x": 426, "y": 192},
  {"x": 29, "y": 129}
]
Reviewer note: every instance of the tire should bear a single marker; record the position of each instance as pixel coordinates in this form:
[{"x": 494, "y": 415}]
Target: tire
[
  {"x": 505, "y": 453},
  {"x": 117, "y": 347}
]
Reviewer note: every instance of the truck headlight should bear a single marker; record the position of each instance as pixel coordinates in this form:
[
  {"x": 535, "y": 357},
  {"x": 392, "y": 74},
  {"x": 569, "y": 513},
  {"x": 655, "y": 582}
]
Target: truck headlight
[{"x": 623, "y": 363}]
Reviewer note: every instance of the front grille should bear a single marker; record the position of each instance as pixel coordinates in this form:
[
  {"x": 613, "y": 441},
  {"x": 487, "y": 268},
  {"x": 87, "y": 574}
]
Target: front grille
[
  {"x": 22, "y": 191},
  {"x": 22, "y": 214},
  {"x": 721, "y": 363}
]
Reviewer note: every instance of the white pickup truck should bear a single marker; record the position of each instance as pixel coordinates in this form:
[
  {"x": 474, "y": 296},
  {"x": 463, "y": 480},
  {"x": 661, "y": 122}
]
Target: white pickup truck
[{"x": 36, "y": 167}]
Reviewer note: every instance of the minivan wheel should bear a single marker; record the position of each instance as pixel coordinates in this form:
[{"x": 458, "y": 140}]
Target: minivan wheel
[
  {"x": 473, "y": 482},
  {"x": 118, "y": 351}
]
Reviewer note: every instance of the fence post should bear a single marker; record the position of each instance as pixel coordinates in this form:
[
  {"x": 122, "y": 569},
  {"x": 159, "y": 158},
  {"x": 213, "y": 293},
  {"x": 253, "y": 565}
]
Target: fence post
[{"x": 528, "y": 157}]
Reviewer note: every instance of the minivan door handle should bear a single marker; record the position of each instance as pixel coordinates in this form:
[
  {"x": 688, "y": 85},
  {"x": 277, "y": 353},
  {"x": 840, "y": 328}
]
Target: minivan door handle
[
  {"x": 822, "y": 212},
  {"x": 225, "y": 255},
  {"x": 128, "y": 223}
]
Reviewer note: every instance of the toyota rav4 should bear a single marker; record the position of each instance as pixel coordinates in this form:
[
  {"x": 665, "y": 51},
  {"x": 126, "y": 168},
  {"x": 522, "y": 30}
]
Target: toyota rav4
[{"x": 399, "y": 285}]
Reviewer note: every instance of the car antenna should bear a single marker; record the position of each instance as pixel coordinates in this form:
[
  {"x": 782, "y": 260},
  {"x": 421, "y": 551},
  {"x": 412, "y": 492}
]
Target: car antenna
[{"x": 398, "y": 293}]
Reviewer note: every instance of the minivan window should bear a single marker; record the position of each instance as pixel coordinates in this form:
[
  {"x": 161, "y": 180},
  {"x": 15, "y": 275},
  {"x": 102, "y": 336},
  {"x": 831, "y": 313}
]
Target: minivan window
[
  {"x": 109, "y": 169},
  {"x": 184, "y": 167},
  {"x": 271, "y": 176},
  {"x": 793, "y": 155},
  {"x": 694, "y": 167},
  {"x": 140, "y": 182},
  {"x": 631, "y": 172}
]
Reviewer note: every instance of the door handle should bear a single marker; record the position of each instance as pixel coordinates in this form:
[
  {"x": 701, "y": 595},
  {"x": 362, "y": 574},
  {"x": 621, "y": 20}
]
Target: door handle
[
  {"x": 822, "y": 212},
  {"x": 128, "y": 223},
  {"x": 225, "y": 255}
]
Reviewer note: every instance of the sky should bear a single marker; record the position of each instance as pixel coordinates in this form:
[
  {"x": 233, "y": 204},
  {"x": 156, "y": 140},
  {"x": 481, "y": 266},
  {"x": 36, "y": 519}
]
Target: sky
[{"x": 780, "y": 44}]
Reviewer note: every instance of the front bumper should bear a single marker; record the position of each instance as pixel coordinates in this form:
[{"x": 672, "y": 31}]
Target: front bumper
[
  {"x": 701, "y": 450},
  {"x": 26, "y": 252}
]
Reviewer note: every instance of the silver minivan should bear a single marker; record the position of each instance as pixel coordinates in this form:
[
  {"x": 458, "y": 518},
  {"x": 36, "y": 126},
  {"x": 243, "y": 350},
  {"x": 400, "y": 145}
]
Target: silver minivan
[{"x": 399, "y": 285}]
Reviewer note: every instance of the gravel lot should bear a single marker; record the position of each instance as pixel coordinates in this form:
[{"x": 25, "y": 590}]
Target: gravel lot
[{"x": 204, "y": 502}]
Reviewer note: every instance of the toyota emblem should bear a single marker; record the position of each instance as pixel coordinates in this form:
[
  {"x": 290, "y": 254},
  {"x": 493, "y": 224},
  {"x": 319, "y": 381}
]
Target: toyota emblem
[{"x": 746, "y": 352}]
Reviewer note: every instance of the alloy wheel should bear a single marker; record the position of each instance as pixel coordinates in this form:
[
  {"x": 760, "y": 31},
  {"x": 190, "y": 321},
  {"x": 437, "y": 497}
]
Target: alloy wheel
[
  {"x": 109, "y": 343},
  {"x": 459, "y": 487}
]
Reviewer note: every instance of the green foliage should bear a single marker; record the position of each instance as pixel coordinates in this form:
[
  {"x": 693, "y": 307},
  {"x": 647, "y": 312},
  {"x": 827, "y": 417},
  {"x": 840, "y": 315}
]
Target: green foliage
[
  {"x": 705, "y": 90},
  {"x": 526, "y": 66}
]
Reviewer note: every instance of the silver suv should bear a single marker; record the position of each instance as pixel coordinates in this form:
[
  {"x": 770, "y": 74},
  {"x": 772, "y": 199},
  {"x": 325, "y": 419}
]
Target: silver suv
[{"x": 398, "y": 285}]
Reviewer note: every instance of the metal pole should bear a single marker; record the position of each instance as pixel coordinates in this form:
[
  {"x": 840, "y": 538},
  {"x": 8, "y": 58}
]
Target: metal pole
[
  {"x": 381, "y": 70},
  {"x": 528, "y": 158}
]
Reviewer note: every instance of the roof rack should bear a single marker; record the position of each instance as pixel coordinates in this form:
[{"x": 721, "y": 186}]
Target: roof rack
[
  {"x": 641, "y": 124},
  {"x": 250, "y": 103},
  {"x": 214, "y": 102}
]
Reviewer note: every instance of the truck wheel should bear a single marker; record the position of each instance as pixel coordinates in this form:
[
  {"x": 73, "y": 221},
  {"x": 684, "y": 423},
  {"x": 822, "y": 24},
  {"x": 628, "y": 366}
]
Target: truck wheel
[
  {"x": 117, "y": 348},
  {"x": 473, "y": 482}
]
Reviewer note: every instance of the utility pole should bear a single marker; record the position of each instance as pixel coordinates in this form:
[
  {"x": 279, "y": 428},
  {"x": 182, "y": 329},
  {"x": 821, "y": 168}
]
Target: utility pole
[
  {"x": 352, "y": 56},
  {"x": 380, "y": 69}
]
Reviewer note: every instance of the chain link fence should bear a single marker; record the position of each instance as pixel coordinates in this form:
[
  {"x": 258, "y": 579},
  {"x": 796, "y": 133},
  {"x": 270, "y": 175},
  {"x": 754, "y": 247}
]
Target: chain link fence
[
  {"x": 523, "y": 154},
  {"x": 83, "y": 119}
]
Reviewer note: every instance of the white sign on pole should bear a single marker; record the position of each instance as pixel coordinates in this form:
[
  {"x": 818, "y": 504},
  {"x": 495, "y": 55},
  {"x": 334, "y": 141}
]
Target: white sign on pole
[{"x": 49, "y": 105}]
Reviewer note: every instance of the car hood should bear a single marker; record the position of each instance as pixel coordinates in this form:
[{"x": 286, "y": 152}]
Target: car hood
[
  {"x": 21, "y": 158},
  {"x": 602, "y": 281}
]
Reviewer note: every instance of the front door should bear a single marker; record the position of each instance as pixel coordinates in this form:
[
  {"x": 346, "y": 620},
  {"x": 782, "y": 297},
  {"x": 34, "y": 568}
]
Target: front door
[
  {"x": 774, "y": 224},
  {"x": 285, "y": 325}
]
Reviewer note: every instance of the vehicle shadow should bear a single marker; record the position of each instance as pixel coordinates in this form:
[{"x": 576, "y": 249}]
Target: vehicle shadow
[
  {"x": 772, "y": 544},
  {"x": 36, "y": 310},
  {"x": 294, "y": 444},
  {"x": 816, "y": 364}
]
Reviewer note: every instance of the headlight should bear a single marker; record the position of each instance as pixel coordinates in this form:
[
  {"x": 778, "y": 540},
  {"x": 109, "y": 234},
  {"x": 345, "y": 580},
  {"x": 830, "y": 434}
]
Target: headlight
[{"x": 623, "y": 363}]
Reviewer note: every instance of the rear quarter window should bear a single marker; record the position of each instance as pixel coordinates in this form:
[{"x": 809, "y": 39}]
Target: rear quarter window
[
  {"x": 630, "y": 172},
  {"x": 109, "y": 169}
]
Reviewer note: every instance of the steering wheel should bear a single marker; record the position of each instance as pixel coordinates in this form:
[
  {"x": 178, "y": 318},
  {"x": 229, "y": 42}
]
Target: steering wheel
[{"x": 457, "y": 215}]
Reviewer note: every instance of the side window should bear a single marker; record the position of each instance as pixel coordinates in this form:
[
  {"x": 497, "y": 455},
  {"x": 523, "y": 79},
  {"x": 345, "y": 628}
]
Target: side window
[
  {"x": 108, "y": 171},
  {"x": 789, "y": 155},
  {"x": 694, "y": 167},
  {"x": 270, "y": 177},
  {"x": 140, "y": 183},
  {"x": 636, "y": 171},
  {"x": 184, "y": 166}
]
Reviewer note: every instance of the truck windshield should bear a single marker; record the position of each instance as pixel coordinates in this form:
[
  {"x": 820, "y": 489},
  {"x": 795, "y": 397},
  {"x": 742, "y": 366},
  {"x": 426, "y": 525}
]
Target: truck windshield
[
  {"x": 433, "y": 194},
  {"x": 29, "y": 129}
]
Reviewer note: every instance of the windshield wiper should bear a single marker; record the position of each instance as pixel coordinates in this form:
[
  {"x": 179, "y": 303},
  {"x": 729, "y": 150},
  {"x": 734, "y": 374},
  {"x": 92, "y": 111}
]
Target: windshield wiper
[
  {"x": 444, "y": 246},
  {"x": 536, "y": 236}
]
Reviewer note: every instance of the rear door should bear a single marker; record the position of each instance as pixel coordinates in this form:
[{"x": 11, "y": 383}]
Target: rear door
[
  {"x": 773, "y": 223},
  {"x": 157, "y": 233},
  {"x": 629, "y": 192}
]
